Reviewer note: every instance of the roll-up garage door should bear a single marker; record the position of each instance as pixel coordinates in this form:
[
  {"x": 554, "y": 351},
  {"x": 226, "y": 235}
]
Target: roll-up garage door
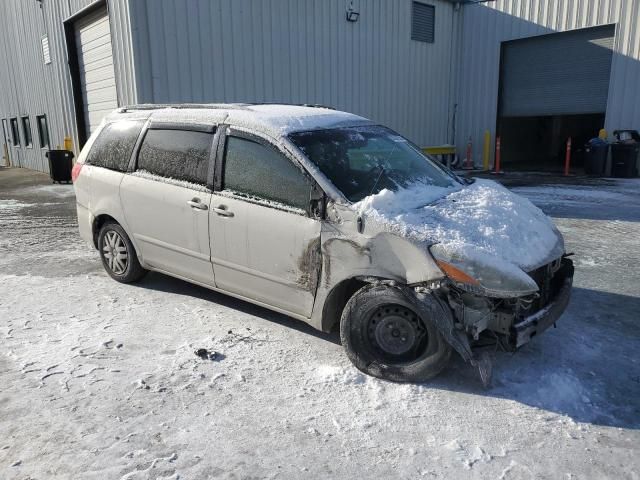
[
  {"x": 558, "y": 74},
  {"x": 95, "y": 65}
]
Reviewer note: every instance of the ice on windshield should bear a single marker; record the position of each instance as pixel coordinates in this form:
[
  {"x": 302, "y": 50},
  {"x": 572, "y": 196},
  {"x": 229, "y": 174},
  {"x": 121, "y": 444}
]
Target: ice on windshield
[{"x": 364, "y": 160}]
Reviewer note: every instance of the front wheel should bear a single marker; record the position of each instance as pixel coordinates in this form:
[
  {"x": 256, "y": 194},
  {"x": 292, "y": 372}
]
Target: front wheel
[
  {"x": 118, "y": 255},
  {"x": 384, "y": 337}
]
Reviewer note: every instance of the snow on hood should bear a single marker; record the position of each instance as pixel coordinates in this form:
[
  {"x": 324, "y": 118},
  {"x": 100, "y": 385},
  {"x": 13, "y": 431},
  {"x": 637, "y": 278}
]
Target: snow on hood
[{"x": 482, "y": 223}]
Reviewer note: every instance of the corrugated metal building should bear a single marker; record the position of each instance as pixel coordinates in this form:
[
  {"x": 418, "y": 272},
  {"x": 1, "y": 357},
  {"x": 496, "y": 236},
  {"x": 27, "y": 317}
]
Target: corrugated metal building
[
  {"x": 292, "y": 51},
  {"x": 36, "y": 94},
  {"x": 430, "y": 69},
  {"x": 537, "y": 72}
]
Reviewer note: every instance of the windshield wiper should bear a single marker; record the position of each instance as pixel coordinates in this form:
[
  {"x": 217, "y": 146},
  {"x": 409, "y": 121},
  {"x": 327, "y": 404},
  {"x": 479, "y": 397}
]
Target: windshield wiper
[
  {"x": 395, "y": 146},
  {"x": 377, "y": 180}
]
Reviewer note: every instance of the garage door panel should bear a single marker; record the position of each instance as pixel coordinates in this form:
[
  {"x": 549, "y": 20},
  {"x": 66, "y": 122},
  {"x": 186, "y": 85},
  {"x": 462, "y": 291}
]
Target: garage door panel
[
  {"x": 96, "y": 115},
  {"x": 98, "y": 84},
  {"x": 105, "y": 94},
  {"x": 89, "y": 48},
  {"x": 96, "y": 69},
  {"x": 102, "y": 73},
  {"x": 107, "y": 106},
  {"x": 560, "y": 74},
  {"x": 95, "y": 65},
  {"x": 87, "y": 32},
  {"x": 97, "y": 53},
  {"x": 95, "y": 118}
]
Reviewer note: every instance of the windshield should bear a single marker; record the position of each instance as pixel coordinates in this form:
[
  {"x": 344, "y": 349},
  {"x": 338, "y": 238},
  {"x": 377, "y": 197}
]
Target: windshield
[{"x": 361, "y": 161}]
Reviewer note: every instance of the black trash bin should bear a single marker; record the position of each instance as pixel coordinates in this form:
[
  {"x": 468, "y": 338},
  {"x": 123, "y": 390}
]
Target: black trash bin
[
  {"x": 625, "y": 154},
  {"x": 60, "y": 165},
  {"x": 596, "y": 153}
]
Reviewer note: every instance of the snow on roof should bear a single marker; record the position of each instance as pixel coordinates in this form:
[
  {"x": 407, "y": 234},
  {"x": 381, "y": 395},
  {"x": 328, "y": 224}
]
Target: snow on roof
[
  {"x": 279, "y": 120},
  {"x": 275, "y": 120}
]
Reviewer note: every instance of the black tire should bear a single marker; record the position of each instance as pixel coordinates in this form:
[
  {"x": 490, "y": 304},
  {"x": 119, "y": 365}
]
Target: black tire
[
  {"x": 378, "y": 323},
  {"x": 128, "y": 272}
]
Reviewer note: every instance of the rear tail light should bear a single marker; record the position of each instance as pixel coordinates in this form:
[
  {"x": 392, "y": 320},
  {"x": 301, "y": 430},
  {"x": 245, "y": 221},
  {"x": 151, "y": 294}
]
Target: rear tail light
[{"x": 75, "y": 172}]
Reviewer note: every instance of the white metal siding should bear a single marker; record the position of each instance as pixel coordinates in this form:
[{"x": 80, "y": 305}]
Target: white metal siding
[
  {"x": 29, "y": 87},
  {"x": 485, "y": 26},
  {"x": 299, "y": 51},
  {"x": 559, "y": 74},
  {"x": 96, "y": 70}
]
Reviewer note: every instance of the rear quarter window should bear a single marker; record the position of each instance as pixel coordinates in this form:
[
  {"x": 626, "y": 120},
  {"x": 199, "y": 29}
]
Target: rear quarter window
[
  {"x": 177, "y": 154},
  {"x": 114, "y": 145}
]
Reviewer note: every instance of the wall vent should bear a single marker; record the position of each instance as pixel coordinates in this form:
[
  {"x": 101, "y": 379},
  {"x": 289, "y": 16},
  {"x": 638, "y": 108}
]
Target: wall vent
[
  {"x": 423, "y": 22},
  {"x": 46, "y": 53}
]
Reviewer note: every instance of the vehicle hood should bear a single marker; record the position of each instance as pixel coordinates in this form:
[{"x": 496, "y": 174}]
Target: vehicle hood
[{"x": 487, "y": 231}]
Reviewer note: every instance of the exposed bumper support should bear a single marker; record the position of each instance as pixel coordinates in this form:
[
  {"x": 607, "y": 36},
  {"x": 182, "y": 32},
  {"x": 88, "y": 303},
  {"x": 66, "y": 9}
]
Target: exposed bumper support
[{"x": 524, "y": 331}]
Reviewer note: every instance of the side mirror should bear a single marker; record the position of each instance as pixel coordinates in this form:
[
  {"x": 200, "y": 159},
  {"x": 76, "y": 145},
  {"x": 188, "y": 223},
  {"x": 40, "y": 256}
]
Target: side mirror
[{"x": 317, "y": 202}]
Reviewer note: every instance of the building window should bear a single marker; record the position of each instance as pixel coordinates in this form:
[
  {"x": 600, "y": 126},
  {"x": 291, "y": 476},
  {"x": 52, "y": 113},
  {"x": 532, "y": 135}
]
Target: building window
[
  {"x": 43, "y": 131},
  {"x": 423, "y": 22},
  {"x": 26, "y": 131},
  {"x": 15, "y": 132}
]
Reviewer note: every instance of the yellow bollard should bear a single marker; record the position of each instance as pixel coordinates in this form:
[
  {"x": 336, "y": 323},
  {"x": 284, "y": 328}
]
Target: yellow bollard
[
  {"x": 68, "y": 144},
  {"x": 486, "y": 151}
]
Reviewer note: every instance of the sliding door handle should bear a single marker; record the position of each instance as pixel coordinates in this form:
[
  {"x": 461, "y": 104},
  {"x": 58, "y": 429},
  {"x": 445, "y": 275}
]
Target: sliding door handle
[{"x": 197, "y": 204}]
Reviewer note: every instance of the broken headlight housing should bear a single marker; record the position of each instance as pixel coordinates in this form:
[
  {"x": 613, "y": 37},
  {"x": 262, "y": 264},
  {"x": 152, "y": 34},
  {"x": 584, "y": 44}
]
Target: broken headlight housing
[{"x": 483, "y": 274}]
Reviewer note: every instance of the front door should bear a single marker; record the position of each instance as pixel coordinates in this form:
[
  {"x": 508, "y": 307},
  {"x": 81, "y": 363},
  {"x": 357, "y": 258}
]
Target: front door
[
  {"x": 166, "y": 202},
  {"x": 264, "y": 244}
]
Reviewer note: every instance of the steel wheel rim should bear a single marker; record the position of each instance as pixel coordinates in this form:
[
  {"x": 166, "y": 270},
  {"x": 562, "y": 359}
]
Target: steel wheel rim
[
  {"x": 115, "y": 252},
  {"x": 397, "y": 334}
]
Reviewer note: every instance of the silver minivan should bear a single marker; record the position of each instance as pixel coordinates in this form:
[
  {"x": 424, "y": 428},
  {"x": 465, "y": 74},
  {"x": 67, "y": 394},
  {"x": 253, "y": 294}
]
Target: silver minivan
[{"x": 326, "y": 217}]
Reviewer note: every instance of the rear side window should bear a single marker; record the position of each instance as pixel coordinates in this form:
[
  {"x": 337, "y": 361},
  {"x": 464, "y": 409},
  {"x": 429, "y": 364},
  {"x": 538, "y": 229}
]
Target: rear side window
[
  {"x": 114, "y": 146},
  {"x": 178, "y": 154},
  {"x": 258, "y": 171}
]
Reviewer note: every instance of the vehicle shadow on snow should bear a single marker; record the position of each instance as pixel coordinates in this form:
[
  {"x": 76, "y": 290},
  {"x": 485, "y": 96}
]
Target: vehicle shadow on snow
[
  {"x": 585, "y": 369},
  {"x": 629, "y": 213},
  {"x": 165, "y": 283}
]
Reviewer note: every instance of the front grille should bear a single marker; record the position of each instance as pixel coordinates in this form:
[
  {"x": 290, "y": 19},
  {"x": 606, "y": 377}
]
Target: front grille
[{"x": 543, "y": 277}]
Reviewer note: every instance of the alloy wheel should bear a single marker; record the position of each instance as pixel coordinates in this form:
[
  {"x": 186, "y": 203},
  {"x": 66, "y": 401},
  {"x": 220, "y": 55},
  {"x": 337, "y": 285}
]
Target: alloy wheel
[{"x": 115, "y": 252}]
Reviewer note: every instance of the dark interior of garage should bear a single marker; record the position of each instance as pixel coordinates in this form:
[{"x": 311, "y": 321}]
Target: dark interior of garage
[
  {"x": 553, "y": 87},
  {"x": 539, "y": 143}
]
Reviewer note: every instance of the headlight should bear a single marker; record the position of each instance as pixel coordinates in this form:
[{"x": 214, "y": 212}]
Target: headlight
[
  {"x": 454, "y": 273},
  {"x": 484, "y": 274}
]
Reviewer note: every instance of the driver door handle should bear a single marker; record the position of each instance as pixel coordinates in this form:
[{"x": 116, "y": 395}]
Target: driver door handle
[
  {"x": 197, "y": 204},
  {"x": 222, "y": 211}
]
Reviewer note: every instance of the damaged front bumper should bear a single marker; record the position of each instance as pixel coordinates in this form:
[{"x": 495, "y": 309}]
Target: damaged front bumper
[
  {"x": 524, "y": 330},
  {"x": 473, "y": 322}
]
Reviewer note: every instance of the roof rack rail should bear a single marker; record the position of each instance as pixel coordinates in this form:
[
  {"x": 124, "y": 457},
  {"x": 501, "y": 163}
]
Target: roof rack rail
[
  {"x": 158, "y": 106},
  {"x": 316, "y": 105},
  {"x": 310, "y": 105},
  {"x": 208, "y": 106}
]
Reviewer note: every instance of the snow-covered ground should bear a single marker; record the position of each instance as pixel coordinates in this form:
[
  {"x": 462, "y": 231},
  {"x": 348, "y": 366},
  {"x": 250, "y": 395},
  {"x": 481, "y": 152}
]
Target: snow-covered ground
[{"x": 99, "y": 380}]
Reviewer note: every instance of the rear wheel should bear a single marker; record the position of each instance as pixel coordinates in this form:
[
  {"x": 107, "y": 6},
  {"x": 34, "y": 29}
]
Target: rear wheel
[
  {"x": 385, "y": 337},
  {"x": 118, "y": 255}
]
